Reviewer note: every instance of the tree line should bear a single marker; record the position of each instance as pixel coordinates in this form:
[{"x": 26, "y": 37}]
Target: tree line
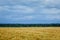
[{"x": 29, "y": 25}]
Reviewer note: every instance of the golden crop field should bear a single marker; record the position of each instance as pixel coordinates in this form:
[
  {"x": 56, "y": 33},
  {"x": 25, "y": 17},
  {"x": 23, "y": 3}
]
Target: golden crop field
[{"x": 30, "y": 33}]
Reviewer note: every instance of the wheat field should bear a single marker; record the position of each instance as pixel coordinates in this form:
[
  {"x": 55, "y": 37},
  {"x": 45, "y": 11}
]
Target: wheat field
[{"x": 30, "y": 33}]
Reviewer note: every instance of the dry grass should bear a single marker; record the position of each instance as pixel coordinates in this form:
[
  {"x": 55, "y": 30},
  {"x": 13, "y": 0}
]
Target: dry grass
[{"x": 37, "y": 33}]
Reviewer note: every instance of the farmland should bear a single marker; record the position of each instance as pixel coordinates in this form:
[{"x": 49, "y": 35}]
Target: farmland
[{"x": 30, "y": 33}]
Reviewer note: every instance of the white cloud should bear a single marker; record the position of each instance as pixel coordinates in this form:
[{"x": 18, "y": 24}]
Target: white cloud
[
  {"x": 27, "y": 17},
  {"x": 46, "y": 17},
  {"x": 24, "y": 9},
  {"x": 50, "y": 11},
  {"x": 17, "y": 8},
  {"x": 17, "y": 17},
  {"x": 21, "y": 1},
  {"x": 49, "y": 3},
  {"x": 53, "y": 17}
]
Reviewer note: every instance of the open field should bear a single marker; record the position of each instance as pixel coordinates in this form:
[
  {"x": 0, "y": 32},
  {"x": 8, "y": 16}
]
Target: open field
[{"x": 30, "y": 33}]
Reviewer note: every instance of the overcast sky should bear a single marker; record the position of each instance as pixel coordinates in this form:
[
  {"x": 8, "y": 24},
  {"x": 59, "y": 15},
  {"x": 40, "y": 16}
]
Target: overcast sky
[{"x": 29, "y": 11}]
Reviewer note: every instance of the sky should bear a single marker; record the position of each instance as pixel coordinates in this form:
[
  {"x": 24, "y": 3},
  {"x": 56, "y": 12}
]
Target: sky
[{"x": 29, "y": 11}]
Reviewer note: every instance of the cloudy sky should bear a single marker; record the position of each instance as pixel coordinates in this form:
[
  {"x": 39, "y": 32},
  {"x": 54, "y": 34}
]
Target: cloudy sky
[{"x": 29, "y": 11}]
